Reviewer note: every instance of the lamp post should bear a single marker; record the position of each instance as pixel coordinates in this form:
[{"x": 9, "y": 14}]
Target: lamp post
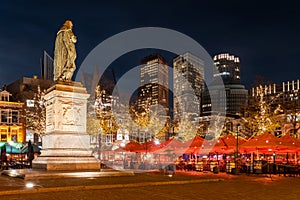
[
  {"x": 237, "y": 148},
  {"x": 99, "y": 147}
]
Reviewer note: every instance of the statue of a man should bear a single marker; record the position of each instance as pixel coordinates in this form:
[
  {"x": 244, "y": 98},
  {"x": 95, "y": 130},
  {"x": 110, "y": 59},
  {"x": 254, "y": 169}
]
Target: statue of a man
[{"x": 64, "y": 53}]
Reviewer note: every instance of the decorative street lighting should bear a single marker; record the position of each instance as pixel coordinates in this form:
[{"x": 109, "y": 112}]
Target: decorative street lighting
[
  {"x": 99, "y": 145},
  {"x": 237, "y": 149}
]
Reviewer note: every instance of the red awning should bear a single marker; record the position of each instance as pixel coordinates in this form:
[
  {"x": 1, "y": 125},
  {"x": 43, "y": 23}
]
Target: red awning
[
  {"x": 264, "y": 142},
  {"x": 195, "y": 142},
  {"x": 133, "y": 146},
  {"x": 289, "y": 144}
]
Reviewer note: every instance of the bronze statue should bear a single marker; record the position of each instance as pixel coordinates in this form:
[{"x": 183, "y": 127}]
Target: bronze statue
[{"x": 64, "y": 53}]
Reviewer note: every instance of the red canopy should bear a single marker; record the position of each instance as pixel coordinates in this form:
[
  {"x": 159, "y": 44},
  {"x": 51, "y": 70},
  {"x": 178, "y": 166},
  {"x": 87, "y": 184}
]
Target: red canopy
[
  {"x": 209, "y": 147},
  {"x": 195, "y": 142},
  {"x": 173, "y": 145},
  {"x": 225, "y": 144},
  {"x": 264, "y": 142},
  {"x": 133, "y": 146},
  {"x": 230, "y": 142},
  {"x": 161, "y": 145},
  {"x": 289, "y": 144}
]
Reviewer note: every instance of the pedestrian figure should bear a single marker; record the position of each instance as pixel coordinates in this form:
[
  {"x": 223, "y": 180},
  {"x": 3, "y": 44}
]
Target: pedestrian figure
[
  {"x": 30, "y": 154},
  {"x": 3, "y": 157}
]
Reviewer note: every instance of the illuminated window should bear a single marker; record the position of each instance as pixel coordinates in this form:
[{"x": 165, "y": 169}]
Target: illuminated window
[
  {"x": 14, "y": 135},
  {"x": 4, "y": 133},
  {"x": 29, "y": 103},
  {"x": 4, "y": 96},
  {"x": 15, "y": 117},
  {"x": 4, "y": 116}
]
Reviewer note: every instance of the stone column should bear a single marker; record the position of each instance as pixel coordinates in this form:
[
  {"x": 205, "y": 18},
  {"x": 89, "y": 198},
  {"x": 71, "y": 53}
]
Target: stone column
[{"x": 66, "y": 145}]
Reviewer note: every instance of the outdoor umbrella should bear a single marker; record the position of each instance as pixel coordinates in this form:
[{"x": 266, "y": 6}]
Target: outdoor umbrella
[
  {"x": 196, "y": 141},
  {"x": 10, "y": 149},
  {"x": 230, "y": 142},
  {"x": 288, "y": 144},
  {"x": 210, "y": 146},
  {"x": 36, "y": 149},
  {"x": 161, "y": 146},
  {"x": 194, "y": 145},
  {"x": 172, "y": 145},
  {"x": 133, "y": 146},
  {"x": 264, "y": 142}
]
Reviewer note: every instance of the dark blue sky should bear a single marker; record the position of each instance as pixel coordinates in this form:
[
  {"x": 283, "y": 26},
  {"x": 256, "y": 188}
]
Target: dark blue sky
[{"x": 264, "y": 34}]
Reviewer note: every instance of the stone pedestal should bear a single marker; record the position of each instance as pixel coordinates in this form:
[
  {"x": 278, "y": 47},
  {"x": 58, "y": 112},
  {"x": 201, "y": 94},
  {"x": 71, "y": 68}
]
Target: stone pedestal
[{"x": 66, "y": 145}]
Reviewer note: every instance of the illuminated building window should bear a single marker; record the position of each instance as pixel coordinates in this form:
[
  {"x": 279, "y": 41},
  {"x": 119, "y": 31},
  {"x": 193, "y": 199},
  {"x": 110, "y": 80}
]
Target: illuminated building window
[
  {"x": 4, "y": 133},
  {"x": 4, "y": 116},
  {"x": 15, "y": 117}
]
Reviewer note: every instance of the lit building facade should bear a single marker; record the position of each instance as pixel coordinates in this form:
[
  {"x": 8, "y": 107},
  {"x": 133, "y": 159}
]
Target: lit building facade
[
  {"x": 286, "y": 98},
  {"x": 228, "y": 67},
  {"x": 153, "y": 91},
  {"x": 233, "y": 96},
  {"x": 188, "y": 80},
  {"x": 283, "y": 94},
  {"x": 154, "y": 82},
  {"x": 105, "y": 103},
  {"x": 23, "y": 89},
  {"x": 11, "y": 122},
  {"x": 47, "y": 67},
  {"x": 235, "y": 99}
]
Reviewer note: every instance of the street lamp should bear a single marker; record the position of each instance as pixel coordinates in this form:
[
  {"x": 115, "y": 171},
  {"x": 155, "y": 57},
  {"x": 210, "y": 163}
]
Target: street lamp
[
  {"x": 99, "y": 145},
  {"x": 156, "y": 141},
  {"x": 237, "y": 148}
]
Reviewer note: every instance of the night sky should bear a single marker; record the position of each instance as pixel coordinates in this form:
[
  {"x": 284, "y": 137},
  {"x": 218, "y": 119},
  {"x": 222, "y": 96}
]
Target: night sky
[{"x": 266, "y": 36}]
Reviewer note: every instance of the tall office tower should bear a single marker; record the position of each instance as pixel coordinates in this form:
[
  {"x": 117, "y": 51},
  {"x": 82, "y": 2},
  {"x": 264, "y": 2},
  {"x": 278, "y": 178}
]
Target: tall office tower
[
  {"x": 154, "y": 82},
  {"x": 188, "y": 85},
  {"x": 47, "y": 67},
  {"x": 228, "y": 67}
]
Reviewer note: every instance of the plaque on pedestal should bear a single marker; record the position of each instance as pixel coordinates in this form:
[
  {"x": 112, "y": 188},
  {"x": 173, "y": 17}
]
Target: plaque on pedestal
[{"x": 66, "y": 145}]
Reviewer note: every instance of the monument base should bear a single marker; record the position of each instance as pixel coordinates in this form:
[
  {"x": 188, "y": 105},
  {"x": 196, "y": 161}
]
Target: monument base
[
  {"x": 66, "y": 163},
  {"x": 66, "y": 145}
]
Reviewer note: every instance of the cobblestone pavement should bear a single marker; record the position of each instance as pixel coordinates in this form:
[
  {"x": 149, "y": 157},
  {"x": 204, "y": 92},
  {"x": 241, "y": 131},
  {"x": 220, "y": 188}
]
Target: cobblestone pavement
[{"x": 184, "y": 185}]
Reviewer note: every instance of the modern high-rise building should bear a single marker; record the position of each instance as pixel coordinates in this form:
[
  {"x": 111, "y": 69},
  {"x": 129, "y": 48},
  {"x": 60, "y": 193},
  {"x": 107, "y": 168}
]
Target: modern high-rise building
[
  {"x": 153, "y": 93},
  {"x": 234, "y": 102},
  {"x": 228, "y": 67},
  {"x": 154, "y": 82},
  {"x": 47, "y": 67},
  {"x": 188, "y": 80}
]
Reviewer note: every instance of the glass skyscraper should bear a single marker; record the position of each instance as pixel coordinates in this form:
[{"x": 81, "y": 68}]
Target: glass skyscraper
[
  {"x": 188, "y": 80},
  {"x": 154, "y": 82}
]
